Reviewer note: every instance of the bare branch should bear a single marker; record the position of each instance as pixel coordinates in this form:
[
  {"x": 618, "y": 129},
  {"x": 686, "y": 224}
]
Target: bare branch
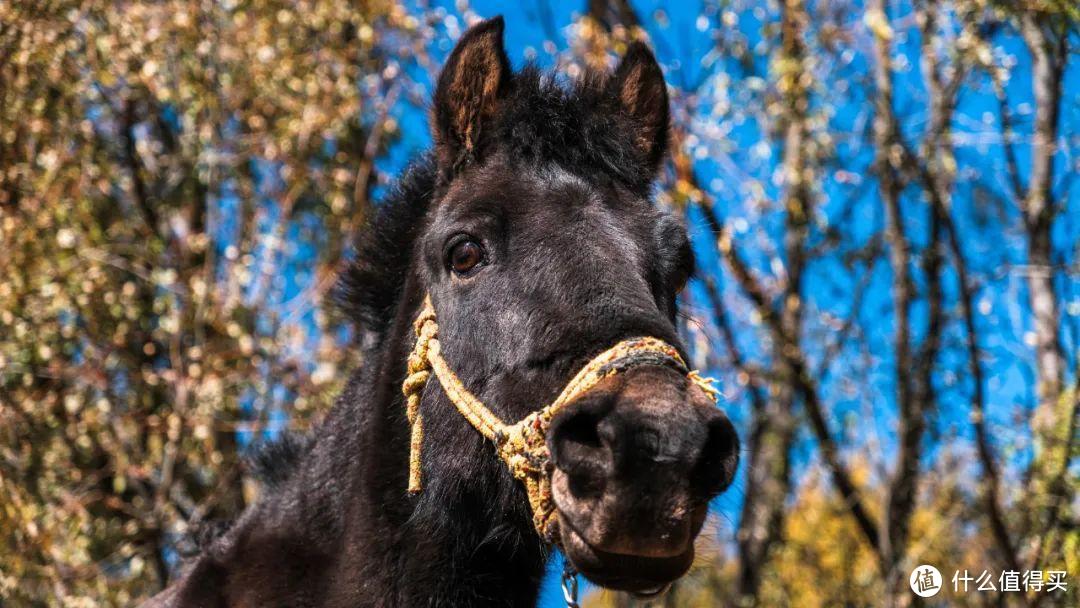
[
  {"x": 1007, "y": 136},
  {"x": 723, "y": 324},
  {"x": 1047, "y": 67},
  {"x": 915, "y": 393},
  {"x": 992, "y": 485}
]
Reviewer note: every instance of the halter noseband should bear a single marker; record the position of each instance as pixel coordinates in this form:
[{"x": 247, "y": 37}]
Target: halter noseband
[{"x": 522, "y": 445}]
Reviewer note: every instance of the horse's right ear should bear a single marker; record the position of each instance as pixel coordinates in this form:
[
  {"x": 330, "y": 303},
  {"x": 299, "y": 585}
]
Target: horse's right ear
[{"x": 467, "y": 95}]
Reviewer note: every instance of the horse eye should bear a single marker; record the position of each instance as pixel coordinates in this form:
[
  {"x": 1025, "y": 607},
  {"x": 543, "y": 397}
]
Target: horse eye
[{"x": 465, "y": 256}]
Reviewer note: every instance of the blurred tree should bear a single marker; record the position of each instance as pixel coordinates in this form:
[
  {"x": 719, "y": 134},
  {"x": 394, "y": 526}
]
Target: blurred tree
[{"x": 160, "y": 163}]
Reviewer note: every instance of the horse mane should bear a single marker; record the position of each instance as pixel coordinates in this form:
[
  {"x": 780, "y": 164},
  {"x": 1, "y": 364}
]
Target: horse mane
[
  {"x": 273, "y": 461},
  {"x": 369, "y": 287},
  {"x": 575, "y": 124}
]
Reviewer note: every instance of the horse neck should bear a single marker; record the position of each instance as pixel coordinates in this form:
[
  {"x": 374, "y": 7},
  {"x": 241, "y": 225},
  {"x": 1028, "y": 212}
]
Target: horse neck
[{"x": 467, "y": 537}]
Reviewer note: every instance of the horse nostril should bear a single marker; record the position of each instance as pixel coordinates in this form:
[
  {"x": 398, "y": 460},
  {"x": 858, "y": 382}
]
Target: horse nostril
[
  {"x": 577, "y": 450},
  {"x": 719, "y": 457}
]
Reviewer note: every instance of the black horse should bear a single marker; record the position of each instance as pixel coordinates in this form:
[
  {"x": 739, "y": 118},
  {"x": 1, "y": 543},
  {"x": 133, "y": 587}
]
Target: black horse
[{"x": 530, "y": 226}]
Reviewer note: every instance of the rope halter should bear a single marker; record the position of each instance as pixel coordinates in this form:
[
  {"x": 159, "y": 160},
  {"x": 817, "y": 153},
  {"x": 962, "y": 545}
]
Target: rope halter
[{"x": 522, "y": 446}]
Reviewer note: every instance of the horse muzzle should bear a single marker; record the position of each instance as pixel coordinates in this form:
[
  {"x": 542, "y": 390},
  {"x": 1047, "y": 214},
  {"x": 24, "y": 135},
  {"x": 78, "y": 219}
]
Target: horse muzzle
[{"x": 636, "y": 461}]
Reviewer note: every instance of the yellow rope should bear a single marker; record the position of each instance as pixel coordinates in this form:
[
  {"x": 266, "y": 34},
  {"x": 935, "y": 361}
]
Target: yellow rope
[
  {"x": 418, "y": 374},
  {"x": 522, "y": 445}
]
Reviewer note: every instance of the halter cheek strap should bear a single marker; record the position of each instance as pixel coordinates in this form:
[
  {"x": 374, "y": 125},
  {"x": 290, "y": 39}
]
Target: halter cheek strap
[{"x": 522, "y": 446}]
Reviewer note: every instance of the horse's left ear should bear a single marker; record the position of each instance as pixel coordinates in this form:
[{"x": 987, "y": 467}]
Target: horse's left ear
[{"x": 639, "y": 86}]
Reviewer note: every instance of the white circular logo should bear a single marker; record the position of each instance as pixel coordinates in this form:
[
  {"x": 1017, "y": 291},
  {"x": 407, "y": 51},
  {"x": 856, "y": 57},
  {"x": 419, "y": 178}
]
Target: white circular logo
[{"x": 925, "y": 581}]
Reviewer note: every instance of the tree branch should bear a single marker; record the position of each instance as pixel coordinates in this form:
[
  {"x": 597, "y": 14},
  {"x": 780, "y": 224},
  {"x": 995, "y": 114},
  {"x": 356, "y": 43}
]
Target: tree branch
[
  {"x": 1039, "y": 213},
  {"x": 992, "y": 485},
  {"x": 139, "y": 191}
]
